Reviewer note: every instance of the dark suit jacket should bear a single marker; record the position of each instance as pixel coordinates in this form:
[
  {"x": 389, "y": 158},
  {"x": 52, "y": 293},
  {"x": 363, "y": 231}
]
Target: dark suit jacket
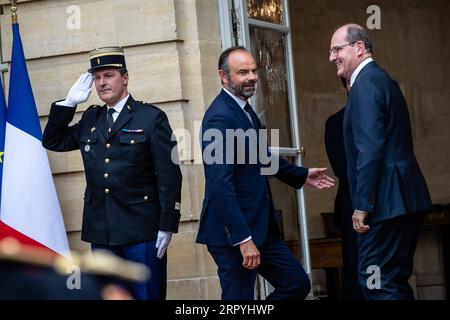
[
  {"x": 133, "y": 187},
  {"x": 384, "y": 176},
  {"x": 334, "y": 145},
  {"x": 238, "y": 202}
]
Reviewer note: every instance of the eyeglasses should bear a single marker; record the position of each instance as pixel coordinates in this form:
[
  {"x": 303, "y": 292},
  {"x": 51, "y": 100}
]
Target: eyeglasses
[{"x": 337, "y": 49}]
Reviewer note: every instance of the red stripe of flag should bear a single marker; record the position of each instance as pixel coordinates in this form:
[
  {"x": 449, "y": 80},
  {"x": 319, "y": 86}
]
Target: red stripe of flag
[{"x": 8, "y": 232}]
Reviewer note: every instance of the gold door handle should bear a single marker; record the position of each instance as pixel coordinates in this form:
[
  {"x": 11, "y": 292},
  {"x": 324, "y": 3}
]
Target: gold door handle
[{"x": 302, "y": 151}]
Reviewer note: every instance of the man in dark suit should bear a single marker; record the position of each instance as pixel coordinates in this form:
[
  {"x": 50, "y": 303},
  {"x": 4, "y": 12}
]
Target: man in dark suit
[
  {"x": 133, "y": 192},
  {"x": 388, "y": 191},
  {"x": 334, "y": 144},
  {"x": 238, "y": 221}
]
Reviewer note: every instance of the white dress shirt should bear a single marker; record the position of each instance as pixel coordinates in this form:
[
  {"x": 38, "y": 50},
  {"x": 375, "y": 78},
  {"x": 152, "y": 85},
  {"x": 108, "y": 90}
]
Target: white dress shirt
[{"x": 358, "y": 69}]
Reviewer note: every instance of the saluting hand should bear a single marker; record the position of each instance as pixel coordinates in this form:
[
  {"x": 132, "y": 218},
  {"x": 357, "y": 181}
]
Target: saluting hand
[{"x": 317, "y": 179}]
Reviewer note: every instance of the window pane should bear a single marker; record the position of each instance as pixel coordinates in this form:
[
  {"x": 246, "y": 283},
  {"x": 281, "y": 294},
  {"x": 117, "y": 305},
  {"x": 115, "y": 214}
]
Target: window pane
[
  {"x": 271, "y": 97},
  {"x": 266, "y": 10}
]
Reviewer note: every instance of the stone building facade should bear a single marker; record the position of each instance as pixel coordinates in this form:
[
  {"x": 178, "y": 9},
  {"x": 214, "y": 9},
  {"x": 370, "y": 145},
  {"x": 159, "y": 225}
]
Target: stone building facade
[{"x": 172, "y": 47}]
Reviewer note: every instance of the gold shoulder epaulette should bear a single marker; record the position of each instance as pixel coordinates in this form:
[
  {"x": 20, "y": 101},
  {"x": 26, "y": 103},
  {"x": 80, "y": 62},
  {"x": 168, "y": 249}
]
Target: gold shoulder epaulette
[{"x": 93, "y": 106}]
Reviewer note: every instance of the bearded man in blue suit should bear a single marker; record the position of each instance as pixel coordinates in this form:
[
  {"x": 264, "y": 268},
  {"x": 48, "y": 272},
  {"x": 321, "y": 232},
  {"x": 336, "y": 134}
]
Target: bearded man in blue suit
[
  {"x": 388, "y": 191},
  {"x": 238, "y": 221}
]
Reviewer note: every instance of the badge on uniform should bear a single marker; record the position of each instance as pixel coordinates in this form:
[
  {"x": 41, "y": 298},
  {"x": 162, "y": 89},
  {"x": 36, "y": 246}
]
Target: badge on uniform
[
  {"x": 87, "y": 148},
  {"x": 132, "y": 130}
]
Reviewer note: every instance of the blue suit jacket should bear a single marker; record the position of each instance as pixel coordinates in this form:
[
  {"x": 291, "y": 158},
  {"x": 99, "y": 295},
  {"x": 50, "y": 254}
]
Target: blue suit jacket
[
  {"x": 238, "y": 202},
  {"x": 384, "y": 176}
]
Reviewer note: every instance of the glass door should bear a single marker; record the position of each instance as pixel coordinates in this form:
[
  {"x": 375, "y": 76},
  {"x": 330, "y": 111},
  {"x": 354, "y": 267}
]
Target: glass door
[{"x": 262, "y": 26}]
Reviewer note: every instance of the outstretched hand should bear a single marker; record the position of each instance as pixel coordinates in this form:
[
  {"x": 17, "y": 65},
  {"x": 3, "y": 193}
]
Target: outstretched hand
[{"x": 318, "y": 179}]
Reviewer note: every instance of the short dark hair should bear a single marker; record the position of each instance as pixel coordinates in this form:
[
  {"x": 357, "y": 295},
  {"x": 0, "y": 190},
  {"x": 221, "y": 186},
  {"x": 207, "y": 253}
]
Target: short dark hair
[
  {"x": 223, "y": 59},
  {"x": 123, "y": 71},
  {"x": 355, "y": 34}
]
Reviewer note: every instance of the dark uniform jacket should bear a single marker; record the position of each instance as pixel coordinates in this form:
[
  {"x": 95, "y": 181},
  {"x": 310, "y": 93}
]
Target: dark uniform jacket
[{"x": 133, "y": 186}]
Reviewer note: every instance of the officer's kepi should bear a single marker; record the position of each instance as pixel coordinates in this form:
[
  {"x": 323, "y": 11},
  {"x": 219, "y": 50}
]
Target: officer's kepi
[{"x": 107, "y": 57}]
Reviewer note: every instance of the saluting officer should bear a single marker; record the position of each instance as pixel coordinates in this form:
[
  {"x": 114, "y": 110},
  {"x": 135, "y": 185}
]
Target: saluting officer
[{"x": 133, "y": 192}]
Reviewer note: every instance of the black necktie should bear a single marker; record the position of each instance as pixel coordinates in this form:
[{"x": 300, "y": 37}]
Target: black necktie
[
  {"x": 110, "y": 119},
  {"x": 253, "y": 115}
]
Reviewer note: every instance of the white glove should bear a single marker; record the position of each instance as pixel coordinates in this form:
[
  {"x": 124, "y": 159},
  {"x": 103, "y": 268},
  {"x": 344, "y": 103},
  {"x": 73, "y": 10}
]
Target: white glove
[
  {"x": 162, "y": 242},
  {"x": 80, "y": 91}
]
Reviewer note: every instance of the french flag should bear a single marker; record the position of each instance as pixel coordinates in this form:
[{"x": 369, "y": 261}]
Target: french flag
[{"x": 30, "y": 210}]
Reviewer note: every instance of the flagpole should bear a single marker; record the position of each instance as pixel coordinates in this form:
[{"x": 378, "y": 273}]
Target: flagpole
[{"x": 14, "y": 11}]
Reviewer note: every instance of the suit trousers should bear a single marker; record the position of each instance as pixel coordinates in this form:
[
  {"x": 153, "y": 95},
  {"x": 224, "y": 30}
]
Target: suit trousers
[
  {"x": 145, "y": 253},
  {"x": 278, "y": 266},
  {"x": 390, "y": 246},
  {"x": 351, "y": 289}
]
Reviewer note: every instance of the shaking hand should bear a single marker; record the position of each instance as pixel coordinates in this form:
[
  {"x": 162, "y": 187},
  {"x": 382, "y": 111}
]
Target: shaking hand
[{"x": 318, "y": 179}]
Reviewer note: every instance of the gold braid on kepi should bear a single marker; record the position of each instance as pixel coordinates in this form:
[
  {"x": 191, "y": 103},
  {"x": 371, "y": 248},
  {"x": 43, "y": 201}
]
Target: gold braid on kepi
[{"x": 105, "y": 57}]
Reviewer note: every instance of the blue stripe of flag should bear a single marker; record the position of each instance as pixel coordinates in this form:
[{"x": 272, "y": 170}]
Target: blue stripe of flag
[{"x": 22, "y": 112}]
